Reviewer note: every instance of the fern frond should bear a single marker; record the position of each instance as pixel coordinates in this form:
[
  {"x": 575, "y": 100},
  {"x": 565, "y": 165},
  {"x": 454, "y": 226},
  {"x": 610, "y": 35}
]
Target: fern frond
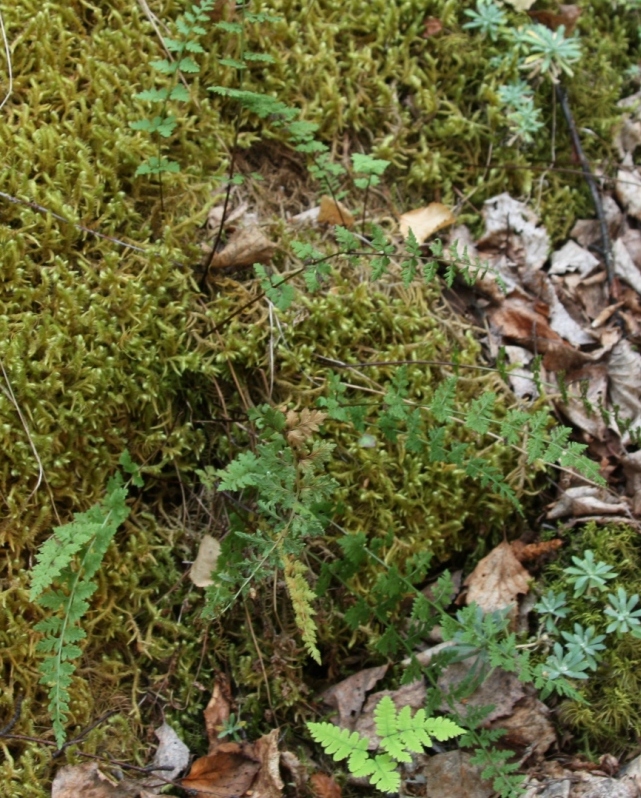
[
  {"x": 301, "y": 596},
  {"x": 339, "y": 743}
]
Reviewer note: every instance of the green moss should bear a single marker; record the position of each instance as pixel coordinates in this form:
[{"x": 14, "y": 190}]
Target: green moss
[{"x": 610, "y": 720}]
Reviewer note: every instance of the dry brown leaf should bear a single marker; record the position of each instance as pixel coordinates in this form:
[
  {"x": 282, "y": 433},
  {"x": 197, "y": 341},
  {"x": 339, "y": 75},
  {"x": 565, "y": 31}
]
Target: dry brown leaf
[
  {"x": 568, "y": 16},
  {"x": 217, "y": 711},
  {"x": 511, "y": 224},
  {"x": 205, "y": 562},
  {"x": 499, "y": 689},
  {"x": 348, "y": 696},
  {"x": 624, "y": 266},
  {"x": 247, "y": 245},
  {"x": 424, "y": 222},
  {"x": 303, "y": 425},
  {"x": 227, "y": 773},
  {"x": 632, "y": 470},
  {"x": 628, "y": 191},
  {"x": 452, "y": 775},
  {"x": 269, "y": 783},
  {"x": 334, "y": 212},
  {"x": 528, "y": 726},
  {"x": 497, "y": 580},
  {"x": 324, "y": 786}
]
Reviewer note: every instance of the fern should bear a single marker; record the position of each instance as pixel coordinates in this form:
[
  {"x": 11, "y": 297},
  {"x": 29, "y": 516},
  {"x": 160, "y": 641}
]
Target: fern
[
  {"x": 401, "y": 735},
  {"x": 62, "y": 582}
]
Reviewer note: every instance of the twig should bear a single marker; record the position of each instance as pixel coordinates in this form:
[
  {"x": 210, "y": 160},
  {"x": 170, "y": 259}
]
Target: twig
[
  {"x": 7, "y": 52},
  {"x": 562, "y": 95},
  {"x": 14, "y": 718}
]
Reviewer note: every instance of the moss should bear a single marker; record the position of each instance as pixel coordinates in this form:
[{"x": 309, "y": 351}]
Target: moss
[{"x": 610, "y": 720}]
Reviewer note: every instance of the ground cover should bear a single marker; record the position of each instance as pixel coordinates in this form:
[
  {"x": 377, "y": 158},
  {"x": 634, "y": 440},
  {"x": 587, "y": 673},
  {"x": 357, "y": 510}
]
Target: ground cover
[{"x": 117, "y": 336}]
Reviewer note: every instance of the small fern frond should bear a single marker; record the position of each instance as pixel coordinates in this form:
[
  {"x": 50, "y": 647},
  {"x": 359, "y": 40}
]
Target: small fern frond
[
  {"x": 301, "y": 596},
  {"x": 339, "y": 743}
]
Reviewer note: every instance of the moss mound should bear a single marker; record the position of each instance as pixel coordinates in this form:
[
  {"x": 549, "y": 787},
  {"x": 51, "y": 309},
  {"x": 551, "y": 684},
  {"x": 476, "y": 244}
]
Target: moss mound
[{"x": 106, "y": 342}]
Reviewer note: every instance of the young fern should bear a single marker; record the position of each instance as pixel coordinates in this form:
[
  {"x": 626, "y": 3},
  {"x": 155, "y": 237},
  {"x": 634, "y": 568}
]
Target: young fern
[
  {"x": 401, "y": 735},
  {"x": 62, "y": 582}
]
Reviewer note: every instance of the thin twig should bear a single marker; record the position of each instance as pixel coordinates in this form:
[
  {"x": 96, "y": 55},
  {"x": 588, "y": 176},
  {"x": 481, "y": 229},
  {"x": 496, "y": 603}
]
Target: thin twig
[
  {"x": 14, "y": 718},
  {"x": 591, "y": 181},
  {"x": 7, "y": 52}
]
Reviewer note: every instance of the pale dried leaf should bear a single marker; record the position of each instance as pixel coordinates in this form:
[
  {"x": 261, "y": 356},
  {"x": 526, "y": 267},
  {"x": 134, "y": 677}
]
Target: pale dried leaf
[
  {"x": 215, "y": 216},
  {"x": 583, "y": 500},
  {"x": 632, "y": 471},
  {"x": 625, "y": 267},
  {"x": 334, "y": 212},
  {"x": 497, "y": 580},
  {"x": 520, "y": 5},
  {"x": 624, "y": 371},
  {"x": 89, "y": 781},
  {"x": 268, "y": 783},
  {"x": 573, "y": 258},
  {"x": 171, "y": 752},
  {"x": 205, "y": 562},
  {"x": 510, "y": 221},
  {"x": 217, "y": 712},
  {"x": 247, "y": 245},
  {"x": 628, "y": 191},
  {"x": 425, "y": 222}
]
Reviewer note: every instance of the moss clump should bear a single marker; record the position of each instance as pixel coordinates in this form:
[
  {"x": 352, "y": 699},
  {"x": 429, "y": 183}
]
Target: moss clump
[{"x": 610, "y": 718}]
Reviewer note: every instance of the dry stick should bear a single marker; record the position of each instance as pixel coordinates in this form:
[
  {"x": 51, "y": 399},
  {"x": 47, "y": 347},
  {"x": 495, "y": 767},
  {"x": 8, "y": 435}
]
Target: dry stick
[
  {"x": 606, "y": 251},
  {"x": 7, "y": 53}
]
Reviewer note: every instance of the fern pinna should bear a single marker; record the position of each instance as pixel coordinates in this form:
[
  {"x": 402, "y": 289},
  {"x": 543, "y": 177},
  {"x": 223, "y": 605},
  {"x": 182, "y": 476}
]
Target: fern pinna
[{"x": 62, "y": 582}]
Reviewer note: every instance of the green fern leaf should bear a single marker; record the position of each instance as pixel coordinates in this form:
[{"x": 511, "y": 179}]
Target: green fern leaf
[
  {"x": 384, "y": 775},
  {"x": 339, "y": 743}
]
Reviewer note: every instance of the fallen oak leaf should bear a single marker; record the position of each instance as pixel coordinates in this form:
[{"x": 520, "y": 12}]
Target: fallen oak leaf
[{"x": 497, "y": 580}]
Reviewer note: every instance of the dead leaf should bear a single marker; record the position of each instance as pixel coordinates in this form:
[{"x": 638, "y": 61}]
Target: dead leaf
[
  {"x": 573, "y": 258},
  {"x": 348, "y": 696},
  {"x": 89, "y": 781},
  {"x": 269, "y": 783},
  {"x": 632, "y": 470},
  {"x": 510, "y": 223},
  {"x": 452, "y": 775},
  {"x": 227, "y": 773},
  {"x": 324, "y": 786},
  {"x": 334, "y": 212},
  {"x": 424, "y": 222},
  {"x": 217, "y": 711},
  {"x": 497, "y": 580},
  {"x": 628, "y": 191},
  {"x": 520, "y": 5},
  {"x": 528, "y": 726},
  {"x": 215, "y": 216},
  {"x": 205, "y": 562},
  {"x": 624, "y": 372},
  {"x": 624, "y": 266},
  {"x": 171, "y": 752},
  {"x": 246, "y": 246},
  {"x": 568, "y": 16},
  {"x": 586, "y": 500},
  {"x": 498, "y": 688}
]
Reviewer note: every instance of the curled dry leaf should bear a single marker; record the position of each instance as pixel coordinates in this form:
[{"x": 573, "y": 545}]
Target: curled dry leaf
[
  {"x": 424, "y": 222},
  {"x": 528, "y": 726},
  {"x": 247, "y": 245},
  {"x": 587, "y": 500},
  {"x": 217, "y": 711},
  {"x": 497, "y": 580}
]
